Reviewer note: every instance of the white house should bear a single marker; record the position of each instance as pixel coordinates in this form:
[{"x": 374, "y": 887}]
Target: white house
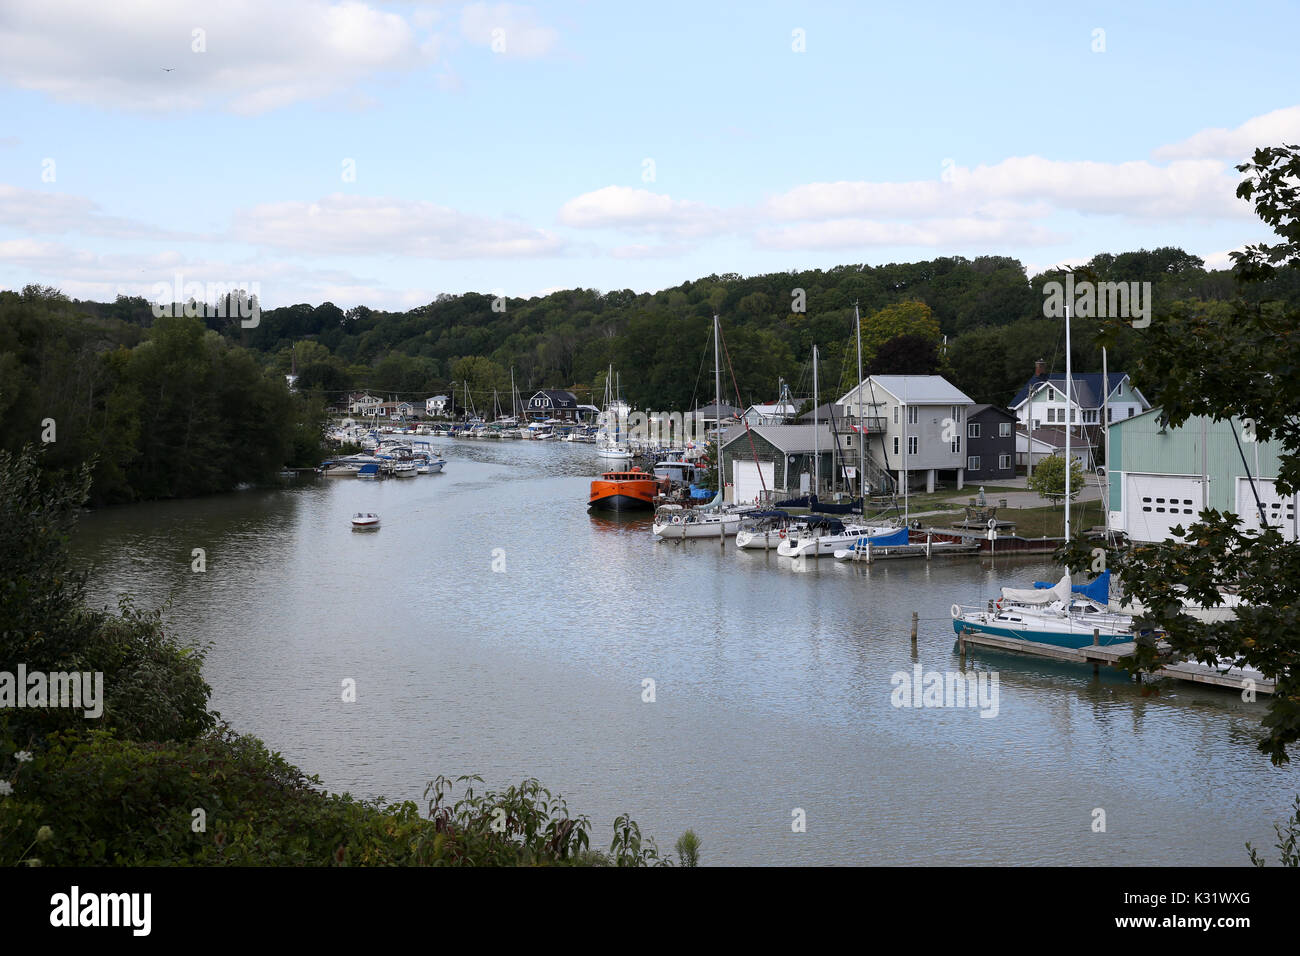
[
  {"x": 775, "y": 413},
  {"x": 1043, "y": 396},
  {"x": 437, "y": 405},
  {"x": 913, "y": 425},
  {"x": 364, "y": 404}
]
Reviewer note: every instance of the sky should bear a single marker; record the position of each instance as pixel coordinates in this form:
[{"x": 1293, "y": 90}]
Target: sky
[{"x": 383, "y": 153}]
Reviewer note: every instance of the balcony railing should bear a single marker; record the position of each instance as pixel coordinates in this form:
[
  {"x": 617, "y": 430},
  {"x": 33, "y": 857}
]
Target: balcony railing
[{"x": 873, "y": 424}]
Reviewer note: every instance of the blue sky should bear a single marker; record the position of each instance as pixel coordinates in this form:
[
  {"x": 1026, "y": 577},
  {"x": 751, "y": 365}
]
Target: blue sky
[{"x": 930, "y": 129}]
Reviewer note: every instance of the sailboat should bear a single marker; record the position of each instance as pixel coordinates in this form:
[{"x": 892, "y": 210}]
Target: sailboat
[
  {"x": 612, "y": 444},
  {"x": 1062, "y": 615}
]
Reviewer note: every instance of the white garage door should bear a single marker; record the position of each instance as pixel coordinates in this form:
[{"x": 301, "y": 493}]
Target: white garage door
[
  {"x": 1154, "y": 504},
  {"x": 1279, "y": 511},
  {"x": 746, "y": 481}
]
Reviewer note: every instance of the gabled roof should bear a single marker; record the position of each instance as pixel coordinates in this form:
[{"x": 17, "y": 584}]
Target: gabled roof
[
  {"x": 912, "y": 390},
  {"x": 557, "y": 395},
  {"x": 791, "y": 439},
  {"x": 711, "y": 410},
  {"x": 824, "y": 413},
  {"x": 1086, "y": 389},
  {"x": 1055, "y": 437},
  {"x": 976, "y": 410}
]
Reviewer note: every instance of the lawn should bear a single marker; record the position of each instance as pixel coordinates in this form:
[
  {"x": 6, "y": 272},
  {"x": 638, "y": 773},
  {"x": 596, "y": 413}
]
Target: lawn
[{"x": 1046, "y": 521}]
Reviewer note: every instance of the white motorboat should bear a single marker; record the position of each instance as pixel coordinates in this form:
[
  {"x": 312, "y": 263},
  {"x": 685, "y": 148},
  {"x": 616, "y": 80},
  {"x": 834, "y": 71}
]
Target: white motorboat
[
  {"x": 365, "y": 522},
  {"x": 404, "y": 469}
]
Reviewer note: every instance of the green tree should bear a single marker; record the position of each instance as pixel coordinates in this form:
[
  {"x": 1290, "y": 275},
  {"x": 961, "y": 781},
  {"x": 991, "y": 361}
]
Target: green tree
[{"x": 1048, "y": 478}]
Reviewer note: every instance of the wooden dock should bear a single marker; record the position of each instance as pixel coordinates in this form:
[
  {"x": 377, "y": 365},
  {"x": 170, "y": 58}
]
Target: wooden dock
[{"x": 1109, "y": 655}]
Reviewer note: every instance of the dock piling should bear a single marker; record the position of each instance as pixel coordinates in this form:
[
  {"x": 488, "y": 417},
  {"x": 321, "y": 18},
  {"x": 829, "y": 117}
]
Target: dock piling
[{"x": 914, "y": 619}]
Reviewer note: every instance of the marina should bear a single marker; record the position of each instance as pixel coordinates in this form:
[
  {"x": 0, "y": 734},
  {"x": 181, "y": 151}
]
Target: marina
[{"x": 773, "y": 679}]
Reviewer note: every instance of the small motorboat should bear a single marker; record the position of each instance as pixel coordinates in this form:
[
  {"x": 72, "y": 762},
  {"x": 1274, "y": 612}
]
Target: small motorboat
[{"x": 365, "y": 522}]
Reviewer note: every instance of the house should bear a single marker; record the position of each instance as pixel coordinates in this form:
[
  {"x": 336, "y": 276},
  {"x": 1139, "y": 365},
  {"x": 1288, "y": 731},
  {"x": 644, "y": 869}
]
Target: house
[
  {"x": 437, "y": 405},
  {"x": 990, "y": 443},
  {"x": 785, "y": 456},
  {"x": 913, "y": 424},
  {"x": 1043, "y": 398},
  {"x": 1157, "y": 476},
  {"x": 587, "y": 414},
  {"x": 408, "y": 410},
  {"x": 553, "y": 403},
  {"x": 776, "y": 413},
  {"x": 363, "y": 403},
  {"x": 1046, "y": 442},
  {"x": 710, "y": 414}
]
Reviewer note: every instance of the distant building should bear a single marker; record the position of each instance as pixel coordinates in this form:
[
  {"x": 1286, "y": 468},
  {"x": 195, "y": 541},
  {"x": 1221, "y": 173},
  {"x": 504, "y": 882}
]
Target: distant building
[
  {"x": 990, "y": 443},
  {"x": 437, "y": 405},
  {"x": 785, "y": 460},
  {"x": 1044, "y": 394},
  {"x": 776, "y": 413},
  {"x": 1155, "y": 478},
  {"x": 553, "y": 403},
  {"x": 1046, "y": 442}
]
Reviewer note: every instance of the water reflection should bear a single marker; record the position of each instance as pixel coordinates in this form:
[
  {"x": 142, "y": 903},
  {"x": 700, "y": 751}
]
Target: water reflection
[{"x": 772, "y": 685}]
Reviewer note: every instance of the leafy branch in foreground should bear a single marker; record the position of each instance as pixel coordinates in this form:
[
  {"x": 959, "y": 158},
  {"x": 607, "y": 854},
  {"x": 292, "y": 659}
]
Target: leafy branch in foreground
[{"x": 1288, "y": 841}]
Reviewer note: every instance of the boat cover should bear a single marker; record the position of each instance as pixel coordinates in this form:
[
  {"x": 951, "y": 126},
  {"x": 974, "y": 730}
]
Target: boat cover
[
  {"x": 1058, "y": 592},
  {"x": 883, "y": 540},
  {"x": 1098, "y": 589}
]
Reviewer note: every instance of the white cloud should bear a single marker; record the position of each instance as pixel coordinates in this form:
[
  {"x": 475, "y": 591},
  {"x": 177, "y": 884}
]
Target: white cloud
[
  {"x": 1220, "y": 260},
  {"x": 365, "y": 225},
  {"x": 48, "y": 213},
  {"x": 258, "y": 56},
  {"x": 1238, "y": 145},
  {"x": 507, "y": 29},
  {"x": 640, "y": 210},
  {"x": 1029, "y": 187}
]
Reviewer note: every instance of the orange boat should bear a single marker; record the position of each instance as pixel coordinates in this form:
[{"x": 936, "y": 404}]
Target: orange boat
[{"x": 625, "y": 490}]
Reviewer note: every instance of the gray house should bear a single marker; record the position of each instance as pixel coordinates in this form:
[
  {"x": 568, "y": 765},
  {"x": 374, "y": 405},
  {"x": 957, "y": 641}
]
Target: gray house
[{"x": 990, "y": 443}]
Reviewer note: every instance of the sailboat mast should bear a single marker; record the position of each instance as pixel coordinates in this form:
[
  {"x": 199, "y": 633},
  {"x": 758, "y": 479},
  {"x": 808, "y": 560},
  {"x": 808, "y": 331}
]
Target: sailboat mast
[
  {"x": 1069, "y": 415},
  {"x": 862, "y": 432},
  {"x": 817, "y": 447},
  {"x": 514, "y": 410},
  {"x": 717, "y": 384}
]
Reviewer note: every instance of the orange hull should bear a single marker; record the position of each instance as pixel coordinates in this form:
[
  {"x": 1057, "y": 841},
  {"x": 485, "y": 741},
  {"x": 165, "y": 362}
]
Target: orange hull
[{"x": 623, "y": 491}]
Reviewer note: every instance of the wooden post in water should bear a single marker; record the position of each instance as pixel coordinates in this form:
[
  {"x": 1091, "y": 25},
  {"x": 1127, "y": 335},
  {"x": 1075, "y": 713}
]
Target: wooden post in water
[
  {"x": 1096, "y": 640},
  {"x": 913, "y": 630},
  {"x": 927, "y": 546}
]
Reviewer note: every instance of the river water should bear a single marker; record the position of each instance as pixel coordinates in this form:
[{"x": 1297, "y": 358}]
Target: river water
[{"x": 492, "y": 626}]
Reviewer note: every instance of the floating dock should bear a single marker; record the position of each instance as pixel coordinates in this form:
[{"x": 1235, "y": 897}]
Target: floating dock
[{"x": 1109, "y": 655}]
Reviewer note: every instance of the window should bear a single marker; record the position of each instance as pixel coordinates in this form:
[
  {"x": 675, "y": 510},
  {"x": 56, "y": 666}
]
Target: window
[
  {"x": 1130, "y": 411},
  {"x": 913, "y": 414},
  {"x": 956, "y": 413},
  {"x": 848, "y": 441},
  {"x": 1004, "y": 430},
  {"x": 895, "y": 419},
  {"x": 955, "y": 445},
  {"x": 973, "y": 430},
  {"x": 895, "y": 444},
  {"x": 973, "y": 463},
  {"x": 912, "y": 444},
  {"x": 1051, "y": 416},
  {"x": 1110, "y": 414},
  {"x": 1090, "y": 416},
  {"x": 1004, "y": 462}
]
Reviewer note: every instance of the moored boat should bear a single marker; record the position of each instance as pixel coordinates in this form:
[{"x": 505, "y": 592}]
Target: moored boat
[
  {"x": 632, "y": 490},
  {"x": 365, "y": 521}
]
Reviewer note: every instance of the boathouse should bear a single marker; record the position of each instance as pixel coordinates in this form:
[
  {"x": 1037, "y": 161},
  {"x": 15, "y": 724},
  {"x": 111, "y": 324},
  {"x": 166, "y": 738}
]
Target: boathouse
[
  {"x": 1160, "y": 476},
  {"x": 784, "y": 456}
]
